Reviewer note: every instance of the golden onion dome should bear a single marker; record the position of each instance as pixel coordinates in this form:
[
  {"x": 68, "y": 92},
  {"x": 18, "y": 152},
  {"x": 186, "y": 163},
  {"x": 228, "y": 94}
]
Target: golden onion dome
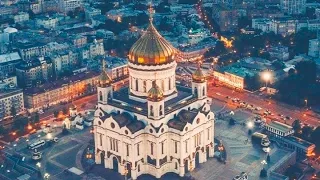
[
  {"x": 151, "y": 49},
  {"x": 198, "y": 76},
  {"x": 104, "y": 79},
  {"x": 155, "y": 93}
]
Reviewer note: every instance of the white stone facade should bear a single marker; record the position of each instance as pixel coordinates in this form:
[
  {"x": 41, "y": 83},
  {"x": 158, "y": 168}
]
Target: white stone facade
[{"x": 141, "y": 78}]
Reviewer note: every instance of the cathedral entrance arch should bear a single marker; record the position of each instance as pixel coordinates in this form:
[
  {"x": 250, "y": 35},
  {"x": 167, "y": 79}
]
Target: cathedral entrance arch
[
  {"x": 102, "y": 156},
  {"x": 115, "y": 164},
  {"x": 186, "y": 169},
  {"x": 197, "y": 160},
  {"x": 129, "y": 170}
]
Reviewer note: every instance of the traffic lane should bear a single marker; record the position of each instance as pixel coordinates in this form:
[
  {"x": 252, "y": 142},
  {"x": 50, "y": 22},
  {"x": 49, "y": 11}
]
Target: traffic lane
[{"x": 273, "y": 106}]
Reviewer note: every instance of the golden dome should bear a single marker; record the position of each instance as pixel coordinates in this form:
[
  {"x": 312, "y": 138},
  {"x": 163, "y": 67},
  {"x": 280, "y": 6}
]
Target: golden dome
[
  {"x": 104, "y": 79},
  {"x": 198, "y": 76},
  {"x": 155, "y": 93},
  {"x": 151, "y": 49}
]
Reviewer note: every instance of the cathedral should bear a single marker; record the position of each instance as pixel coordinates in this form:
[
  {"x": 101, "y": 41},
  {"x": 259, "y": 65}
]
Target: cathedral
[{"x": 153, "y": 126}]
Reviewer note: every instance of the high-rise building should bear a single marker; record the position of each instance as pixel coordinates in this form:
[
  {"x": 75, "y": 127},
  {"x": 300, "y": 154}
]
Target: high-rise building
[
  {"x": 293, "y": 6},
  {"x": 153, "y": 126}
]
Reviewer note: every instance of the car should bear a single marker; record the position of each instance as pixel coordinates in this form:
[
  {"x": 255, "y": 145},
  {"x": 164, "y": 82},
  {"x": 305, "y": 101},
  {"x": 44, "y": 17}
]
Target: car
[
  {"x": 228, "y": 97},
  {"x": 288, "y": 118},
  {"x": 244, "y": 176},
  {"x": 40, "y": 111},
  {"x": 237, "y": 178},
  {"x": 258, "y": 108},
  {"x": 36, "y": 155},
  {"x": 218, "y": 94},
  {"x": 55, "y": 139}
]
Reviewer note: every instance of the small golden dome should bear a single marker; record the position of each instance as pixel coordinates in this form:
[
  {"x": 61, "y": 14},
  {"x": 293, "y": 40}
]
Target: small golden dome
[
  {"x": 198, "y": 76},
  {"x": 104, "y": 79},
  {"x": 155, "y": 93},
  {"x": 151, "y": 49}
]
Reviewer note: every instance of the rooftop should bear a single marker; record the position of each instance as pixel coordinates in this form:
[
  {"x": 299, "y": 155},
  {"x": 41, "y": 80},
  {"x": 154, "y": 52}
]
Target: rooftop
[
  {"x": 9, "y": 92},
  {"x": 298, "y": 142},
  {"x": 60, "y": 83},
  {"x": 280, "y": 126},
  {"x": 9, "y": 57}
]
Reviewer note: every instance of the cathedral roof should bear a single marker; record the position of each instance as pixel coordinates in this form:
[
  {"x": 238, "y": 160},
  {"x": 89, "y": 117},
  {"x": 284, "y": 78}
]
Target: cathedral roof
[
  {"x": 184, "y": 117},
  {"x": 151, "y": 48},
  {"x": 125, "y": 119}
]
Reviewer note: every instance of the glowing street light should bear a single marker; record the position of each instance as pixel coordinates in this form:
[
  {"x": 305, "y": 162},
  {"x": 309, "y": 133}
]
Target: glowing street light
[
  {"x": 306, "y": 101},
  {"x": 250, "y": 124},
  {"x": 38, "y": 164},
  {"x": 266, "y": 76}
]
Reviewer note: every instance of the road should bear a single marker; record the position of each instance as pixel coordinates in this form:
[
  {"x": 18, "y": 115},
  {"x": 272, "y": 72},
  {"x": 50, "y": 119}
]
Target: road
[{"x": 307, "y": 117}]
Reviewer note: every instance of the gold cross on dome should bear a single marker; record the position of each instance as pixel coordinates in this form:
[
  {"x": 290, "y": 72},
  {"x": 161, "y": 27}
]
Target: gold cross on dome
[{"x": 151, "y": 11}]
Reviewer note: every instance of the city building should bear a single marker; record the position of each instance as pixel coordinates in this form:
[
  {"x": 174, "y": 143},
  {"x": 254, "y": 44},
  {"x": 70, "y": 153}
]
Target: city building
[
  {"x": 116, "y": 68},
  {"x": 227, "y": 18},
  {"x": 8, "y": 81},
  {"x": 63, "y": 90},
  {"x": 29, "y": 49},
  {"x": 279, "y": 52},
  {"x": 8, "y": 63},
  {"x": 64, "y": 61},
  {"x": 278, "y": 130},
  {"x": 34, "y": 72},
  {"x": 11, "y": 100},
  {"x": 264, "y": 24},
  {"x": 21, "y": 17},
  {"x": 66, "y": 6},
  {"x": 90, "y": 12},
  {"x": 47, "y": 22},
  {"x": 284, "y": 25},
  {"x": 293, "y": 6},
  {"x": 153, "y": 126},
  {"x": 231, "y": 77},
  {"x": 303, "y": 148},
  {"x": 313, "y": 50}
]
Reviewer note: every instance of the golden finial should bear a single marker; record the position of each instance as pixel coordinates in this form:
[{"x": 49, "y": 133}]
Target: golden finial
[{"x": 151, "y": 11}]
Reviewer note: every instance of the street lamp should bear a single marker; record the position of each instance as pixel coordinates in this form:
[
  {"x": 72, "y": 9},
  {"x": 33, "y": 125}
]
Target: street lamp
[
  {"x": 267, "y": 77},
  {"x": 250, "y": 125},
  {"x": 46, "y": 176},
  {"x": 306, "y": 101}
]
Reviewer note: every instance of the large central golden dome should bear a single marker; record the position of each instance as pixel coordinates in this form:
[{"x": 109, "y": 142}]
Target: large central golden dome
[{"x": 151, "y": 49}]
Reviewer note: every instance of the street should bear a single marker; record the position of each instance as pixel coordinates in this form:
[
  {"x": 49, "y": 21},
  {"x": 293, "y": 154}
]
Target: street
[{"x": 307, "y": 117}]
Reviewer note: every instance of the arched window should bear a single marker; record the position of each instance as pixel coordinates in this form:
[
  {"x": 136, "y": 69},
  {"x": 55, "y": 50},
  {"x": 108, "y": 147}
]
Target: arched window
[
  {"x": 160, "y": 110},
  {"x": 169, "y": 83},
  {"x": 195, "y": 91},
  {"x": 151, "y": 146},
  {"x": 203, "y": 91},
  {"x": 100, "y": 96},
  {"x": 144, "y": 86},
  {"x": 151, "y": 110},
  {"x": 139, "y": 168},
  {"x": 137, "y": 84}
]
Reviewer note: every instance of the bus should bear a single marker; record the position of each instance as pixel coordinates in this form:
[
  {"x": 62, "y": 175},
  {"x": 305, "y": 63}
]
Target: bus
[
  {"x": 37, "y": 144},
  {"x": 260, "y": 138}
]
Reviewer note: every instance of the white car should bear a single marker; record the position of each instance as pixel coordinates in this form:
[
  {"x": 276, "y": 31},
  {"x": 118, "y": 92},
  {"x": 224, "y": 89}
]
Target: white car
[
  {"x": 55, "y": 139},
  {"x": 36, "y": 155}
]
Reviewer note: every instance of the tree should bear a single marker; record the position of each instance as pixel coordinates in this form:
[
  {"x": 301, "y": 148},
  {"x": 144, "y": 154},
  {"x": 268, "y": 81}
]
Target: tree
[
  {"x": 164, "y": 25},
  {"x": 252, "y": 82},
  {"x": 306, "y": 132},
  {"x": 291, "y": 71},
  {"x": 55, "y": 114},
  {"x": 263, "y": 173},
  {"x": 36, "y": 117},
  {"x": 315, "y": 138},
  {"x": 65, "y": 110},
  {"x": 20, "y": 122},
  {"x": 3, "y": 131},
  {"x": 232, "y": 122},
  {"x": 293, "y": 172},
  {"x": 296, "y": 125},
  {"x": 244, "y": 22}
]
